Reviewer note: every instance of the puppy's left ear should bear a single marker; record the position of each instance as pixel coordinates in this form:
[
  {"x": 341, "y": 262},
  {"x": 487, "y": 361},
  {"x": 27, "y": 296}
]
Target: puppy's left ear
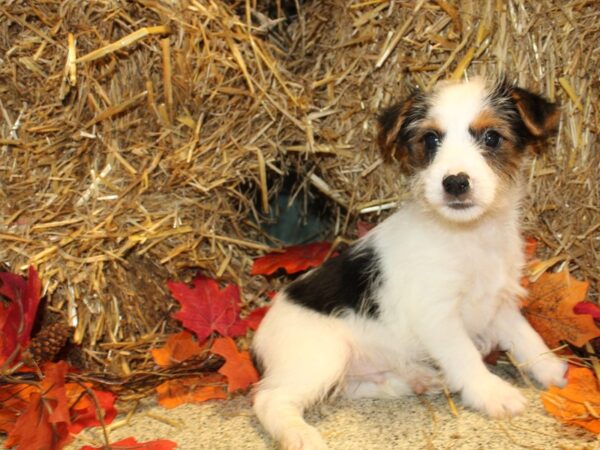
[{"x": 538, "y": 114}]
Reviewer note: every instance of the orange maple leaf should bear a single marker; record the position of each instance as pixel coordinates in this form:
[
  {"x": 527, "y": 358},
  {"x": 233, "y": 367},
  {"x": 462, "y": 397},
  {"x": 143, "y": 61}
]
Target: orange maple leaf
[
  {"x": 34, "y": 429},
  {"x": 173, "y": 393},
  {"x": 14, "y": 399},
  {"x": 47, "y": 415},
  {"x": 45, "y": 422},
  {"x": 238, "y": 367},
  {"x": 178, "y": 348},
  {"x": 549, "y": 309},
  {"x": 578, "y": 403}
]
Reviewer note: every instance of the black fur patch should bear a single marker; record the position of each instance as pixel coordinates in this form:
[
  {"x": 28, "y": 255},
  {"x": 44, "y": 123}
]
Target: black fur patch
[
  {"x": 503, "y": 104},
  {"x": 397, "y": 129},
  {"x": 346, "y": 282}
]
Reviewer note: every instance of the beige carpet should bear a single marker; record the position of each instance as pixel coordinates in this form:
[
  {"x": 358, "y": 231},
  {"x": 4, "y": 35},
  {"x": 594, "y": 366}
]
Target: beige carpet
[{"x": 409, "y": 423}]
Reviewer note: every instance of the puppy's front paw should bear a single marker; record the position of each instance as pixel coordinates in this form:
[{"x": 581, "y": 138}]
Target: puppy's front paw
[
  {"x": 493, "y": 396},
  {"x": 550, "y": 371},
  {"x": 302, "y": 437}
]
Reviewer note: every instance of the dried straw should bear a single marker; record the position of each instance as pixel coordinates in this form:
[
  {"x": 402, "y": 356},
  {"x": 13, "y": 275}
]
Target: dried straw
[{"x": 138, "y": 140}]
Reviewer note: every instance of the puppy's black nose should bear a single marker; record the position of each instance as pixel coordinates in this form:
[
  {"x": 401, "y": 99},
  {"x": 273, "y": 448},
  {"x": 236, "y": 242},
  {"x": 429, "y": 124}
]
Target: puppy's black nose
[{"x": 456, "y": 184}]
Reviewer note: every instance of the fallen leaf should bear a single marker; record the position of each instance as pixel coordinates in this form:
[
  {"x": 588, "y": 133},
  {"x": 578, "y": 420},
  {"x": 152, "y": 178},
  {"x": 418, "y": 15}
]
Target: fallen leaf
[
  {"x": 293, "y": 259},
  {"x": 578, "y": 403},
  {"x": 47, "y": 415},
  {"x": 206, "y": 308},
  {"x": 363, "y": 227},
  {"x": 531, "y": 245},
  {"x": 173, "y": 393},
  {"x": 238, "y": 367},
  {"x": 34, "y": 429},
  {"x": 17, "y": 318},
  {"x": 549, "y": 309},
  {"x": 255, "y": 317},
  {"x": 14, "y": 399},
  {"x": 54, "y": 391},
  {"x": 132, "y": 443},
  {"x": 178, "y": 348},
  {"x": 493, "y": 357},
  {"x": 587, "y": 308},
  {"x": 83, "y": 408},
  {"x": 45, "y": 421}
]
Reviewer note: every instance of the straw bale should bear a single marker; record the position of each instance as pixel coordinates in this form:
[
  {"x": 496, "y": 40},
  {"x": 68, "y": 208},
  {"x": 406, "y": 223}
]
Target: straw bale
[
  {"x": 378, "y": 51},
  {"x": 139, "y": 141}
]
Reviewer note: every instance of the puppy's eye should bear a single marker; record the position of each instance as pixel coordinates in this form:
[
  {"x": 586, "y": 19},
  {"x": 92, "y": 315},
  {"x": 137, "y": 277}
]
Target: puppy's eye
[
  {"x": 492, "y": 139},
  {"x": 431, "y": 140}
]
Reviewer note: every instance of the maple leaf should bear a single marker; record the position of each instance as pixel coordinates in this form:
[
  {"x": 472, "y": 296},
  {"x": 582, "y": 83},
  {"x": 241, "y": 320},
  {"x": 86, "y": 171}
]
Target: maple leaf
[
  {"x": 45, "y": 421},
  {"x": 363, "y": 227},
  {"x": 83, "y": 410},
  {"x": 54, "y": 391},
  {"x": 17, "y": 318},
  {"x": 206, "y": 308},
  {"x": 178, "y": 348},
  {"x": 549, "y": 309},
  {"x": 34, "y": 429},
  {"x": 587, "y": 308},
  {"x": 131, "y": 443},
  {"x": 293, "y": 259},
  {"x": 14, "y": 399},
  {"x": 173, "y": 393},
  {"x": 238, "y": 367},
  {"x": 531, "y": 245},
  {"x": 39, "y": 416},
  {"x": 578, "y": 401},
  {"x": 255, "y": 317}
]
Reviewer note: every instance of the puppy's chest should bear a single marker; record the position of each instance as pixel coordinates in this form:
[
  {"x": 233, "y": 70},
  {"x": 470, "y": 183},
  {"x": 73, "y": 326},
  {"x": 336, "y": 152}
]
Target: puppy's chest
[{"x": 487, "y": 278}]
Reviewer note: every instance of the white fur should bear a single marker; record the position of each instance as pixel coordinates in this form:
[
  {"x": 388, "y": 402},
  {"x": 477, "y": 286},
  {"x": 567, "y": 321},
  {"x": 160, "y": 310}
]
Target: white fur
[
  {"x": 449, "y": 293},
  {"x": 454, "y": 108}
]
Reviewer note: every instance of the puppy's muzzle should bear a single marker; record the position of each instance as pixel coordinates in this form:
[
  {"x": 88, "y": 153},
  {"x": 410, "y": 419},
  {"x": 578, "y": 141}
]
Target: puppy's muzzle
[{"x": 457, "y": 188}]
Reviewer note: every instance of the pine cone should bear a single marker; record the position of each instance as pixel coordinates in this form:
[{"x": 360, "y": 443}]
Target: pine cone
[{"x": 47, "y": 343}]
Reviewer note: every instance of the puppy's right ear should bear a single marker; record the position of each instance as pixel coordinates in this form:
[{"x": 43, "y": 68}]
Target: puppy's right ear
[{"x": 393, "y": 134}]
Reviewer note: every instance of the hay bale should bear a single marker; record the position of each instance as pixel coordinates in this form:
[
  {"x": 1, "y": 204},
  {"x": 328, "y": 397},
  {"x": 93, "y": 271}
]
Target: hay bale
[
  {"x": 378, "y": 51},
  {"x": 139, "y": 139}
]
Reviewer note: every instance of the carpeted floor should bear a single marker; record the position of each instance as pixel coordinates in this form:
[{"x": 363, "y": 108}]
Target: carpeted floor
[{"x": 424, "y": 422}]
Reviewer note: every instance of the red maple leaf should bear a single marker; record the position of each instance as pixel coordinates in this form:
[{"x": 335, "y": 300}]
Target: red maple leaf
[
  {"x": 83, "y": 409},
  {"x": 362, "y": 228},
  {"x": 16, "y": 318},
  {"x": 587, "y": 308},
  {"x": 531, "y": 245},
  {"x": 238, "y": 367},
  {"x": 255, "y": 317},
  {"x": 206, "y": 308},
  {"x": 293, "y": 259},
  {"x": 131, "y": 443}
]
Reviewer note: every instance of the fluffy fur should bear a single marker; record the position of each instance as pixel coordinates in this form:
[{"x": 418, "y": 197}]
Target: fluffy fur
[{"x": 420, "y": 299}]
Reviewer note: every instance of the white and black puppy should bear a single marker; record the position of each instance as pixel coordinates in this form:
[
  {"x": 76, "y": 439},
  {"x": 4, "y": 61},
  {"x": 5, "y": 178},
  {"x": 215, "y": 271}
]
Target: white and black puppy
[{"x": 419, "y": 299}]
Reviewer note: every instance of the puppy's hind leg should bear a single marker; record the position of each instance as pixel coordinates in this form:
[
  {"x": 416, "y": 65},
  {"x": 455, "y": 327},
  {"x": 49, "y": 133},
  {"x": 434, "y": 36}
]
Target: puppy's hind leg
[{"x": 304, "y": 355}]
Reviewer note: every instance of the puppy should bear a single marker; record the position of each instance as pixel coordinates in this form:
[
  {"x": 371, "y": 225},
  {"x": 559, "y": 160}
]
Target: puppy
[{"x": 419, "y": 299}]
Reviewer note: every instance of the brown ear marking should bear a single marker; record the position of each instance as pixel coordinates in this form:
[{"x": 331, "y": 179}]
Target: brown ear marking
[
  {"x": 393, "y": 136},
  {"x": 538, "y": 114}
]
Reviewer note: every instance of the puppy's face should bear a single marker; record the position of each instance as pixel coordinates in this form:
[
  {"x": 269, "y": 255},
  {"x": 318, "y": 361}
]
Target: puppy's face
[{"x": 463, "y": 143}]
